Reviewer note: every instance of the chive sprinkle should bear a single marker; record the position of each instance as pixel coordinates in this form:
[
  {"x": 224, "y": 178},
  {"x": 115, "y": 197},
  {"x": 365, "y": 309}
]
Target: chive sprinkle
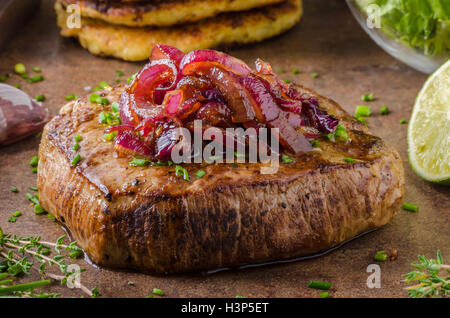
[
  {"x": 362, "y": 111},
  {"x": 287, "y": 81},
  {"x": 281, "y": 71},
  {"x": 200, "y": 173},
  {"x": 348, "y": 159},
  {"x": 37, "y": 69},
  {"x": 286, "y": 159},
  {"x": 34, "y": 161},
  {"x": 20, "y": 69},
  {"x": 180, "y": 171},
  {"x": 384, "y": 110},
  {"x": 35, "y": 79},
  {"x": 119, "y": 73},
  {"x": 95, "y": 98},
  {"x": 103, "y": 84},
  {"x": 341, "y": 133},
  {"x": 38, "y": 209},
  {"x": 16, "y": 214},
  {"x": 76, "y": 146},
  {"x": 2, "y": 78},
  {"x": 71, "y": 97},
  {"x": 76, "y": 160},
  {"x": 367, "y": 97},
  {"x": 34, "y": 170},
  {"x": 17, "y": 86},
  {"x": 12, "y": 220},
  {"x": 403, "y": 121},
  {"x": 410, "y": 207},
  {"x": 137, "y": 162},
  {"x": 115, "y": 107},
  {"x": 32, "y": 198},
  {"x": 33, "y": 188},
  {"x": 324, "y": 295},
  {"x": 78, "y": 138},
  {"x": 295, "y": 71},
  {"x": 40, "y": 98},
  {"x": 314, "y": 75},
  {"x": 315, "y": 143},
  {"x": 110, "y": 136},
  {"x": 380, "y": 256},
  {"x": 319, "y": 285},
  {"x": 14, "y": 189},
  {"x": 157, "y": 291}
]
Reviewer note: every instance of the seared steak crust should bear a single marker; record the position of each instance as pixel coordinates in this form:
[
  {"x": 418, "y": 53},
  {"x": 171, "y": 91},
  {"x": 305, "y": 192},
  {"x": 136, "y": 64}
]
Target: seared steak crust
[{"x": 149, "y": 219}]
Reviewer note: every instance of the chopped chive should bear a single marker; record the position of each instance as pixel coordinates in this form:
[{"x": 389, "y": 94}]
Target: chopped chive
[
  {"x": 12, "y": 220},
  {"x": 314, "y": 75},
  {"x": 78, "y": 138},
  {"x": 410, "y": 207},
  {"x": 341, "y": 133},
  {"x": 14, "y": 189},
  {"x": 17, "y": 86},
  {"x": 295, "y": 71},
  {"x": 16, "y": 214},
  {"x": 71, "y": 97},
  {"x": 119, "y": 73},
  {"x": 315, "y": 143},
  {"x": 34, "y": 170},
  {"x": 115, "y": 107},
  {"x": 131, "y": 78},
  {"x": 287, "y": 81},
  {"x": 367, "y": 97},
  {"x": 286, "y": 159},
  {"x": 281, "y": 71},
  {"x": 24, "y": 76},
  {"x": 33, "y": 188},
  {"x": 95, "y": 98},
  {"x": 362, "y": 120},
  {"x": 384, "y": 110},
  {"x": 76, "y": 160},
  {"x": 37, "y": 69},
  {"x": 157, "y": 291},
  {"x": 38, "y": 209},
  {"x": 137, "y": 162},
  {"x": 324, "y": 295},
  {"x": 362, "y": 111},
  {"x": 350, "y": 160},
  {"x": 20, "y": 69},
  {"x": 40, "y": 98},
  {"x": 35, "y": 79},
  {"x": 102, "y": 118},
  {"x": 380, "y": 256},
  {"x": 403, "y": 121},
  {"x": 319, "y": 285},
  {"x": 76, "y": 146},
  {"x": 238, "y": 296},
  {"x": 51, "y": 217},
  {"x": 103, "y": 84},
  {"x": 110, "y": 136},
  {"x": 2, "y": 78},
  {"x": 200, "y": 173},
  {"x": 180, "y": 171},
  {"x": 34, "y": 161},
  {"x": 32, "y": 198}
]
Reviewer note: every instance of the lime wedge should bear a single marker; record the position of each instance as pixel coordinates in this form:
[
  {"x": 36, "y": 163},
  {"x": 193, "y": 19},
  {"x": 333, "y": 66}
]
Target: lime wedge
[{"x": 429, "y": 128}]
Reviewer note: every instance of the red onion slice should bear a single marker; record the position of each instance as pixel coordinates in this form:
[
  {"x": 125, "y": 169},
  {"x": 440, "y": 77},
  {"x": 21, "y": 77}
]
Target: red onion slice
[
  {"x": 163, "y": 51},
  {"x": 218, "y": 58}
]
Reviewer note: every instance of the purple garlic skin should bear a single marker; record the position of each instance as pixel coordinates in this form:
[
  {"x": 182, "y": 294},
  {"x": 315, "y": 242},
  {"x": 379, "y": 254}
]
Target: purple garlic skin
[{"x": 20, "y": 115}]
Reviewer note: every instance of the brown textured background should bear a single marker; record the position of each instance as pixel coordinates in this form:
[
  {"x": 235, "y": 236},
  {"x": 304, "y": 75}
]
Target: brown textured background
[{"x": 327, "y": 41}]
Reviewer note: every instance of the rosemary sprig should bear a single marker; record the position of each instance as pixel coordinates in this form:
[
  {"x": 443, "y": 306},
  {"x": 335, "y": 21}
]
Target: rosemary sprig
[
  {"x": 14, "y": 251},
  {"x": 428, "y": 280}
]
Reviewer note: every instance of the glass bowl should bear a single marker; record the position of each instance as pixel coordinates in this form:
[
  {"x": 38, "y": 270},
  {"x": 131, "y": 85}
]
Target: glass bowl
[{"x": 401, "y": 51}]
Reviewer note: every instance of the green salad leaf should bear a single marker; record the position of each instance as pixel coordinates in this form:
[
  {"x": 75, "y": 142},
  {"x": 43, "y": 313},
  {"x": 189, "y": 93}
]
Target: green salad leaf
[{"x": 421, "y": 24}]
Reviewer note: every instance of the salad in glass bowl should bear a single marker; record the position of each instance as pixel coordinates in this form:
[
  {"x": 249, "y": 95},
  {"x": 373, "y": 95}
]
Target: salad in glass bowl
[{"x": 417, "y": 32}]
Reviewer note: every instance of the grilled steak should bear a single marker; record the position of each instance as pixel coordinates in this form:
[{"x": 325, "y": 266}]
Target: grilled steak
[{"x": 150, "y": 219}]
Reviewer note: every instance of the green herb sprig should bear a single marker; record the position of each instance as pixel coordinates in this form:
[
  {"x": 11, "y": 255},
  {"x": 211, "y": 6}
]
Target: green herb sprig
[{"x": 430, "y": 281}]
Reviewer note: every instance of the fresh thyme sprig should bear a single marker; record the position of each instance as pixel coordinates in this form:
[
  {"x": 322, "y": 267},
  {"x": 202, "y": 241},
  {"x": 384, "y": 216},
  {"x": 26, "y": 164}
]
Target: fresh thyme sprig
[
  {"x": 14, "y": 251},
  {"x": 431, "y": 283}
]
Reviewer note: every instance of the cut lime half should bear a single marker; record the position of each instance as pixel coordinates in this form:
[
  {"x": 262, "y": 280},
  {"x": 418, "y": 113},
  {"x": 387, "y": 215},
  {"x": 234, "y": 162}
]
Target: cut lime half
[{"x": 429, "y": 128}]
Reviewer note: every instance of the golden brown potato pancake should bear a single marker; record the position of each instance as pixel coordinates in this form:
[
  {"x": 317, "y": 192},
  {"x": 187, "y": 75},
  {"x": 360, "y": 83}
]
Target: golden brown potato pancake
[
  {"x": 160, "y": 13},
  {"x": 134, "y": 44}
]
